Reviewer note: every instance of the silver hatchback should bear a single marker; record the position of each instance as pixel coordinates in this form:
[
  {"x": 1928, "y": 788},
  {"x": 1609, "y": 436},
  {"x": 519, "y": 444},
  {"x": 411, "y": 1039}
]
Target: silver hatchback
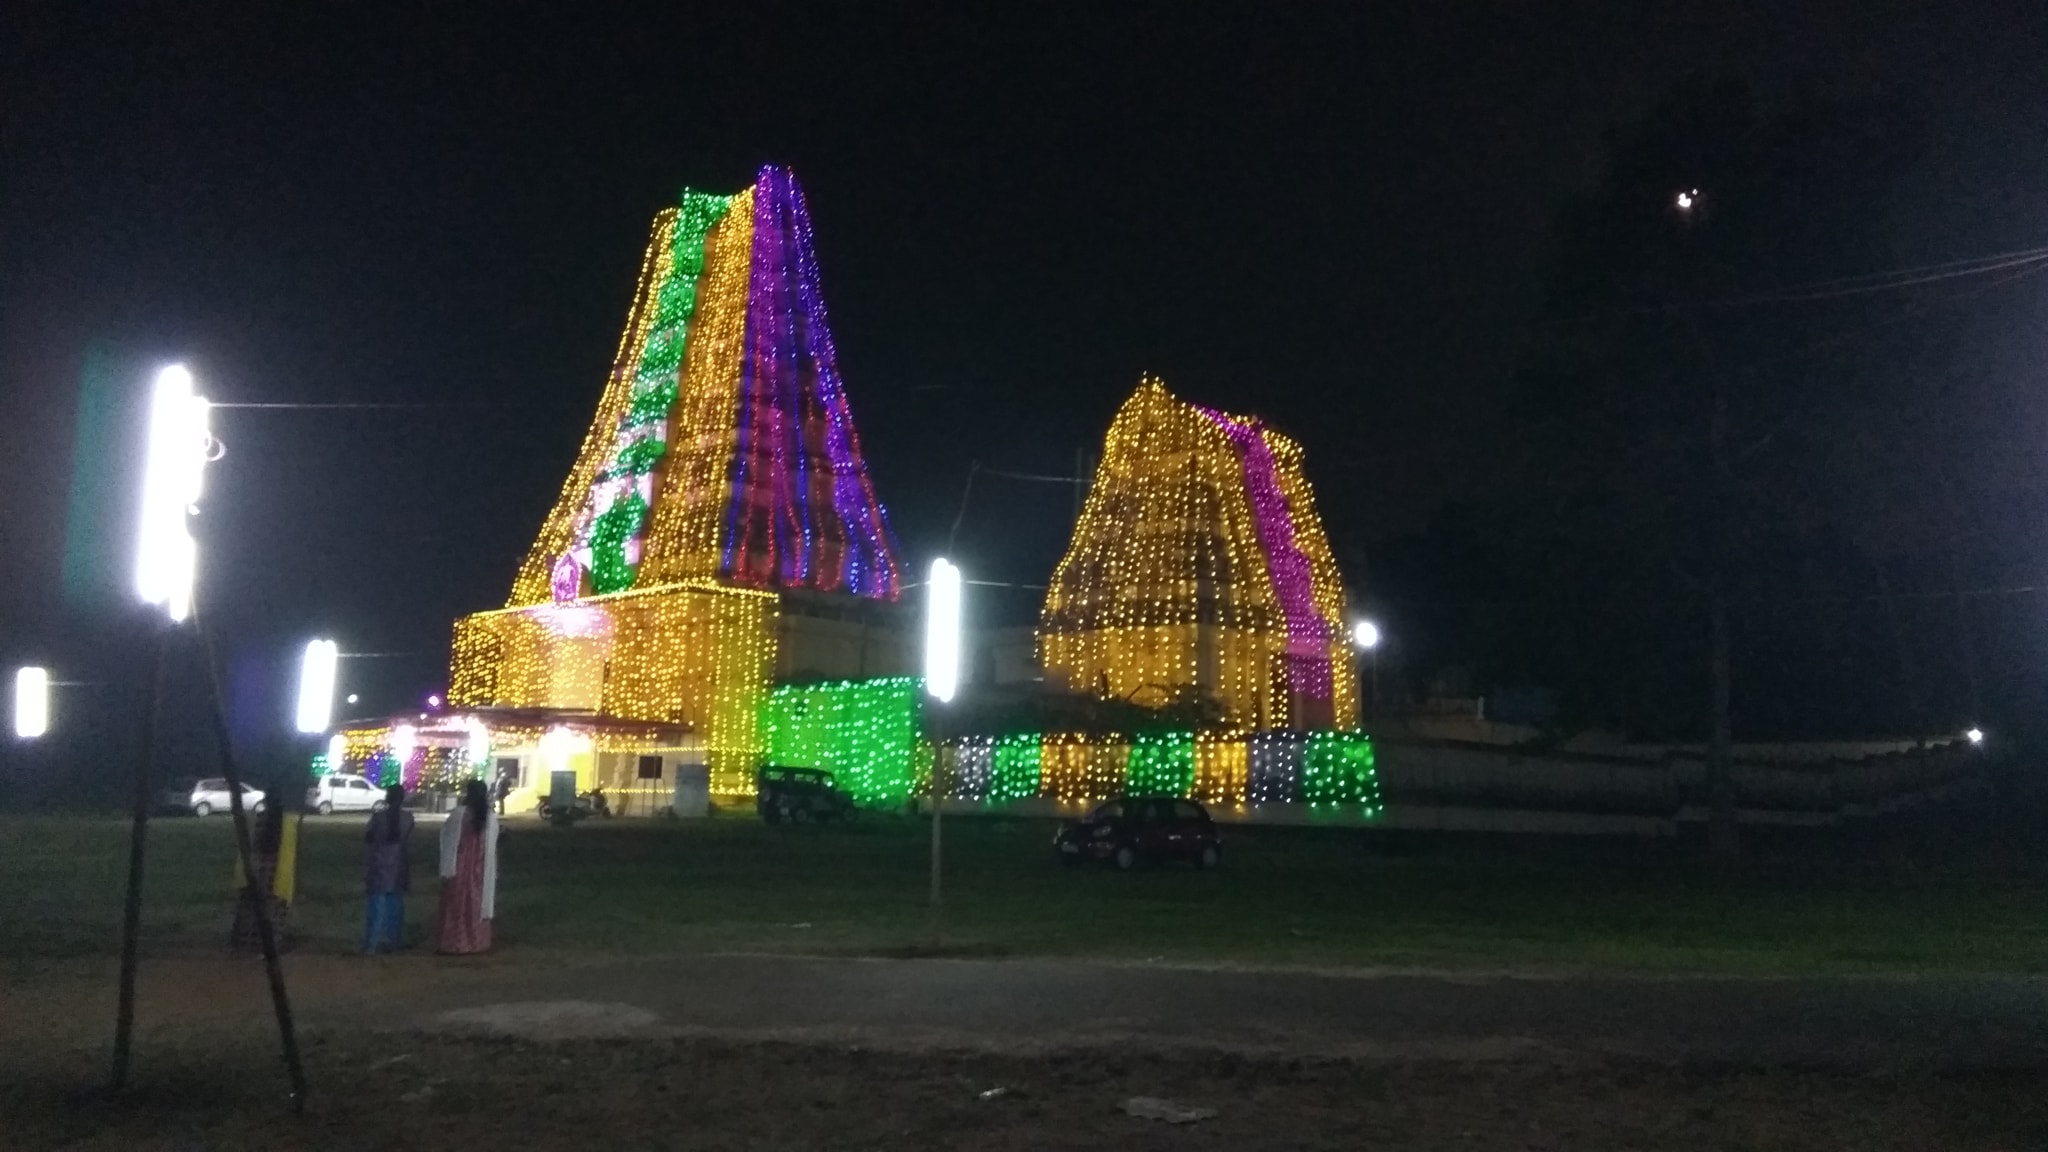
[{"x": 204, "y": 797}]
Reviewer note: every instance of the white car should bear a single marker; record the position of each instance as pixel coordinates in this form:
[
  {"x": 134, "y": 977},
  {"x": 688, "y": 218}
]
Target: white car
[
  {"x": 204, "y": 797},
  {"x": 341, "y": 792}
]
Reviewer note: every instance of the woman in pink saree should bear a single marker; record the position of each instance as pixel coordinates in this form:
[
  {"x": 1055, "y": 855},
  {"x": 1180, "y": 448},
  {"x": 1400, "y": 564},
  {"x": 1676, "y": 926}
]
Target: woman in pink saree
[{"x": 469, "y": 874}]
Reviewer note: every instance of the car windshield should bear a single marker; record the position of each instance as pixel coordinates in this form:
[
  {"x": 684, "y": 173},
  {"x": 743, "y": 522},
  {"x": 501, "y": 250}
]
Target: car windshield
[{"x": 1110, "y": 811}]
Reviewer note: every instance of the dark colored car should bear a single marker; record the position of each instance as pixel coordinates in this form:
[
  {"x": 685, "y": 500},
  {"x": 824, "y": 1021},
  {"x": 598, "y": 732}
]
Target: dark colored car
[
  {"x": 1141, "y": 830},
  {"x": 797, "y": 795}
]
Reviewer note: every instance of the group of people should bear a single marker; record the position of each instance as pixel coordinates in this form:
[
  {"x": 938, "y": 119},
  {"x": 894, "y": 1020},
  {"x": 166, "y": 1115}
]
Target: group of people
[{"x": 468, "y": 869}]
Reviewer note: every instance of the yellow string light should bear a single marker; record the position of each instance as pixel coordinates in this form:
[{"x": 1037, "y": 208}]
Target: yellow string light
[
  {"x": 683, "y": 539},
  {"x": 532, "y": 586},
  {"x": 1166, "y": 593},
  {"x": 691, "y": 653}
]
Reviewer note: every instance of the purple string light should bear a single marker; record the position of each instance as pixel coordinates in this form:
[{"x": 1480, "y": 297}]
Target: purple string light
[{"x": 1308, "y": 634}]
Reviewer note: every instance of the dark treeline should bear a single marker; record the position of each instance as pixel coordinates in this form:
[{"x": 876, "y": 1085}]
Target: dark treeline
[{"x": 1873, "y": 520}]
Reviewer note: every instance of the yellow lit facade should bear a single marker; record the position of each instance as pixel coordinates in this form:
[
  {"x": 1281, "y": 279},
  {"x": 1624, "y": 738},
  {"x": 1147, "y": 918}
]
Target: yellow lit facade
[{"x": 698, "y": 655}]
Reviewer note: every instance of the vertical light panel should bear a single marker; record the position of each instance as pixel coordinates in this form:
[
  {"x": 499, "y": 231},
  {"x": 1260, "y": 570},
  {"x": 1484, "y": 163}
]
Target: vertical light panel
[
  {"x": 174, "y": 463},
  {"x": 31, "y": 702},
  {"x": 477, "y": 745},
  {"x": 942, "y": 631},
  {"x": 316, "y": 686}
]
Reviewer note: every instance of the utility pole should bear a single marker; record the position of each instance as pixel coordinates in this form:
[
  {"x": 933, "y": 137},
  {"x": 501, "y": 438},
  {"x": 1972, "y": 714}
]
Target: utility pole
[
  {"x": 1723, "y": 836},
  {"x": 1909, "y": 683}
]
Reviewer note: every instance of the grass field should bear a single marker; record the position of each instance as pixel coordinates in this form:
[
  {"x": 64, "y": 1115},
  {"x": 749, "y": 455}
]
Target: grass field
[{"x": 1283, "y": 896}]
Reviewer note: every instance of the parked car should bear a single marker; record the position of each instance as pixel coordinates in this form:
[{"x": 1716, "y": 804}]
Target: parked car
[
  {"x": 797, "y": 795},
  {"x": 342, "y": 792},
  {"x": 1141, "y": 830},
  {"x": 204, "y": 797}
]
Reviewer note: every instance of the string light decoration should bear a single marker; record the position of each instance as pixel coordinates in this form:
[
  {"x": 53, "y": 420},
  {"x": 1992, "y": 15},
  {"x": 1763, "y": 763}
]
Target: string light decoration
[
  {"x": 1200, "y": 574},
  {"x": 972, "y": 767},
  {"x": 864, "y": 732},
  {"x": 723, "y": 447},
  {"x": 1222, "y": 768},
  {"x": 1274, "y": 764},
  {"x": 1338, "y": 768},
  {"x": 1162, "y": 764},
  {"x": 1075, "y": 767},
  {"x": 1014, "y": 774},
  {"x": 695, "y": 654}
]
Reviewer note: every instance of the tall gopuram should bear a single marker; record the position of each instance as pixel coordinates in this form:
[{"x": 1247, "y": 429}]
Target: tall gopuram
[{"x": 719, "y": 528}]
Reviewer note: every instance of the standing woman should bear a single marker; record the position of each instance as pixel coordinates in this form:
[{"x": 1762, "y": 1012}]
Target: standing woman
[
  {"x": 388, "y": 872},
  {"x": 274, "y": 847},
  {"x": 469, "y": 873}
]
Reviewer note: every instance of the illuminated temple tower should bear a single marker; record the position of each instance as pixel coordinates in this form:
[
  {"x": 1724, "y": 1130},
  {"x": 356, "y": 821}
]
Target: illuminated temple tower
[
  {"x": 718, "y": 527},
  {"x": 1199, "y": 575}
]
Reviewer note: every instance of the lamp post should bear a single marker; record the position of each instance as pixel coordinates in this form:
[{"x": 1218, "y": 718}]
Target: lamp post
[
  {"x": 166, "y": 562},
  {"x": 1365, "y": 636},
  {"x": 179, "y": 446},
  {"x": 31, "y": 702},
  {"x": 315, "y": 712},
  {"x": 941, "y": 682}
]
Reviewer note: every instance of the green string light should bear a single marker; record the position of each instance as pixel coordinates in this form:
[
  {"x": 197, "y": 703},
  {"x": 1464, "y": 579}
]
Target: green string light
[
  {"x": 1162, "y": 764},
  {"x": 656, "y": 385},
  {"x": 864, "y": 732},
  {"x": 1016, "y": 772}
]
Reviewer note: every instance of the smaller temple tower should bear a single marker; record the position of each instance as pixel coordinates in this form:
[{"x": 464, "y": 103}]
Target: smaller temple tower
[{"x": 1199, "y": 577}]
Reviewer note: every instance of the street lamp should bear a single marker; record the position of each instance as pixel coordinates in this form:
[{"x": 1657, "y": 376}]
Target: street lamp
[
  {"x": 167, "y": 558},
  {"x": 942, "y": 632},
  {"x": 1974, "y": 735},
  {"x": 31, "y": 702},
  {"x": 316, "y": 686},
  {"x": 941, "y": 681},
  {"x": 1365, "y": 636}
]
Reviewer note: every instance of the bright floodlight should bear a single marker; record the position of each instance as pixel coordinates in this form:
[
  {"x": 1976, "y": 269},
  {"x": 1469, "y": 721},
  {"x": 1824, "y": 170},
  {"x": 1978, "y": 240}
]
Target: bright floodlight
[
  {"x": 1974, "y": 735},
  {"x": 404, "y": 739},
  {"x": 337, "y": 751},
  {"x": 31, "y": 702},
  {"x": 434, "y": 700},
  {"x": 478, "y": 746},
  {"x": 1365, "y": 635},
  {"x": 316, "y": 686},
  {"x": 166, "y": 556},
  {"x": 942, "y": 631},
  {"x": 1686, "y": 199}
]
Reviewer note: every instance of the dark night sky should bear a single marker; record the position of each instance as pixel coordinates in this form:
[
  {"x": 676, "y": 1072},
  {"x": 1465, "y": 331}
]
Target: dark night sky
[{"x": 1333, "y": 217}]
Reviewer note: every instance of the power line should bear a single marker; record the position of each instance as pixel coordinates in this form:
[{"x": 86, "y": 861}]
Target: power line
[
  {"x": 2028, "y": 259},
  {"x": 331, "y": 407}
]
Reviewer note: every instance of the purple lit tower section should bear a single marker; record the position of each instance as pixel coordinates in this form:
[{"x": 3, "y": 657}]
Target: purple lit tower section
[{"x": 803, "y": 513}]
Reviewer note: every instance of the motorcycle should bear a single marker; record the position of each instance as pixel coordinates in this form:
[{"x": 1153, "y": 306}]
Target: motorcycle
[{"x": 591, "y": 803}]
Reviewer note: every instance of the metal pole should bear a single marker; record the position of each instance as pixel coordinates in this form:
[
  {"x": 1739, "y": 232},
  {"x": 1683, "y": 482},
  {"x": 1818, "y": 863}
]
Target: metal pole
[
  {"x": 266, "y": 932},
  {"x": 131, "y": 911},
  {"x": 1724, "y": 842},
  {"x": 935, "y": 927}
]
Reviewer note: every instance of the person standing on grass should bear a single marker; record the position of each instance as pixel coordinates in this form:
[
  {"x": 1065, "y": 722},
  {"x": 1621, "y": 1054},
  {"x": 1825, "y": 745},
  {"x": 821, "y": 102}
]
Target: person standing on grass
[
  {"x": 274, "y": 847},
  {"x": 469, "y": 873},
  {"x": 388, "y": 872}
]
